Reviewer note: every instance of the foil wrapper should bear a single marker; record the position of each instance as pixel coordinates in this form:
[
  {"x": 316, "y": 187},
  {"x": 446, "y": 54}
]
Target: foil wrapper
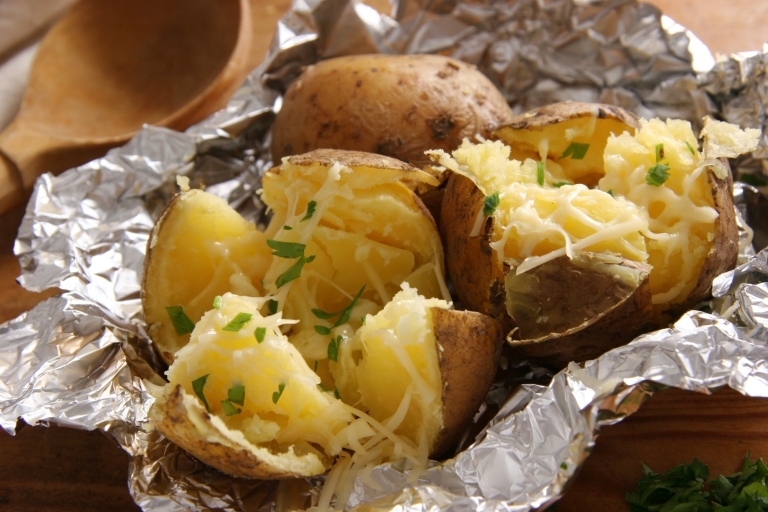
[{"x": 80, "y": 359}]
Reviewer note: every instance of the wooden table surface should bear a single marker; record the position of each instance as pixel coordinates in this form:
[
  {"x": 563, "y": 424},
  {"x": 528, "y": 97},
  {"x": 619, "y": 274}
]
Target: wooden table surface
[{"x": 64, "y": 469}]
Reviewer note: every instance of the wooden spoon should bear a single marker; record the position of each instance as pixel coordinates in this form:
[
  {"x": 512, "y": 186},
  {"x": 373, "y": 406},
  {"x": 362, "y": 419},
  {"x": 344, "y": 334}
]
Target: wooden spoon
[{"x": 109, "y": 67}]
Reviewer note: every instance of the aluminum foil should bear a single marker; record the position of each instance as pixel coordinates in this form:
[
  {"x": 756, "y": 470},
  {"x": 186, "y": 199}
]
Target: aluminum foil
[{"x": 80, "y": 359}]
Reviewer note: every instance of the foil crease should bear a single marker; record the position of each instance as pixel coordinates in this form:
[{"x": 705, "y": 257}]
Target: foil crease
[{"x": 79, "y": 359}]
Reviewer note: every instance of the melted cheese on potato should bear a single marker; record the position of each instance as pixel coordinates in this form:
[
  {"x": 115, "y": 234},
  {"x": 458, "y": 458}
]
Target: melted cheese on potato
[
  {"x": 536, "y": 223},
  {"x": 366, "y": 232},
  {"x": 680, "y": 211}
]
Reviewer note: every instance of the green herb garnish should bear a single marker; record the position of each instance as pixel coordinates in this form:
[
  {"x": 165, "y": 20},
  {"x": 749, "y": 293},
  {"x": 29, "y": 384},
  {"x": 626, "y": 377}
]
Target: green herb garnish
[
  {"x": 563, "y": 465},
  {"x": 316, "y": 363},
  {"x": 657, "y": 175},
  {"x": 540, "y": 173},
  {"x": 181, "y": 322},
  {"x": 217, "y": 302},
  {"x": 333, "y": 348},
  {"x": 271, "y": 306},
  {"x": 259, "y": 333},
  {"x": 687, "y": 488},
  {"x": 659, "y": 152},
  {"x": 276, "y": 395},
  {"x": 752, "y": 179},
  {"x": 559, "y": 184},
  {"x": 490, "y": 204},
  {"x": 288, "y": 250},
  {"x": 236, "y": 394},
  {"x": 690, "y": 148},
  {"x": 576, "y": 150},
  {"x": 197, "y": 386},
  {"x": 238, "y": 322},
  {"x": 230, "y": 409},
  {"x": 294, "y": 272},
  {"x": 343, "y": 315},
  {"x": 609, "y": 192},
  {"x": 287, "y": 227},
  {"x": 310, "y": 211}
]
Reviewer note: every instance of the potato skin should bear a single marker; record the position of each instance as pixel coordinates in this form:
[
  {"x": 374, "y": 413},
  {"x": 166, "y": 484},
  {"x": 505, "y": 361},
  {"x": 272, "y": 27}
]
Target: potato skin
[
  {"x": 173, "y": 419},
  {"x": 555, "y": 113},
  {"x": 469, "y": 350},
  {"x": 394, "y": 105}
]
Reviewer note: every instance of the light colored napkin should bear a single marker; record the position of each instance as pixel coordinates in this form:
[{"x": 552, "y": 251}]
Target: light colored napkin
[{"x": 22, "y": 24}]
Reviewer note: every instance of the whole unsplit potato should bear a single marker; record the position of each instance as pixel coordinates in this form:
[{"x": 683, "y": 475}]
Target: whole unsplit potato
[{"x": 394, "y": 105}]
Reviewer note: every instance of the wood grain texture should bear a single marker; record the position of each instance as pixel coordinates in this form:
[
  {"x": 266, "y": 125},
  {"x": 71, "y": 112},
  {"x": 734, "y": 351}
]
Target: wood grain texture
[{"x": 70, "y": 470}]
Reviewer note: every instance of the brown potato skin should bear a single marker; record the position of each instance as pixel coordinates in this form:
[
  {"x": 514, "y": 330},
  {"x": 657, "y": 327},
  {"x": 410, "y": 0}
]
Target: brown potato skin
[
  {"x": 614, "y": 313},
  {"x": 478, "y": 282},
  {"x": 172, "y": 420},
  {"x": 470, "y": 347},
  {"x": 394, "y": 105},
  {"x": 554, "y": 113}
]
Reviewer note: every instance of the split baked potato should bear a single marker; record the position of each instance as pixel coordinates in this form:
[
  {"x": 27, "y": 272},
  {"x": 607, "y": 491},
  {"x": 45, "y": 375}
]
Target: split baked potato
[
  {"x": 608, "y": 227},
  {"x": 335, "y": 344}
]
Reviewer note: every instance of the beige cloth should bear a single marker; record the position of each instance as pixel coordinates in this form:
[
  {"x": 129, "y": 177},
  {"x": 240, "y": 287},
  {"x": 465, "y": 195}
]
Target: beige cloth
[{"x": 22, "y": 24}]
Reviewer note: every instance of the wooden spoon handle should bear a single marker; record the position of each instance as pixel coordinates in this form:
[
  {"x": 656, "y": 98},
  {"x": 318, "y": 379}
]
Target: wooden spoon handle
[{"x": 11, "y": 190}]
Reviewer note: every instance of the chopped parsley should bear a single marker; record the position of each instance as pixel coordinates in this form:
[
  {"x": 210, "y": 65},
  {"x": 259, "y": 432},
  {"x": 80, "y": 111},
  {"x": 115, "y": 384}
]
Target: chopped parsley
[
  {"x": 576, "y": 150},
  {"x": 259, "y": 333},
  {"x": 687, "y": 488},
  {"x": 310, "y": 211},
  {"x": 294, "y": 272},
  {"x": 609, "y": 192},
  {"x": 559, "y": 184},
  {"x": 236, "y": 394},
  {"x": 277, "y": 394},
  {"x": 272, "y": 306},
  {"x": 540, "y": 173},
  {"x": 315, "y": 367},
  {"x": 333, "y": 348},
  {"x": 288, "y": 250},
  {"x": 657, "y": 175},
  {"x": 563, "y": 465},
  {"x": 197, "y": 386},
  {"x": 659, "y": 152},
  {"x": 326, "y": 389},
  {"x": 287, "y": 227},
  {"x": 217, "y": 302},
  {"x": 690, "y": 148},
  {"x": 343, "y": 315},
  {"x": 230, "y": 409},
  {"x": 181, "y": 322},
  {"x": 752, "y": 179},
  {"x": 238, "y": 322},
  {"x": 490, "y": 204}
]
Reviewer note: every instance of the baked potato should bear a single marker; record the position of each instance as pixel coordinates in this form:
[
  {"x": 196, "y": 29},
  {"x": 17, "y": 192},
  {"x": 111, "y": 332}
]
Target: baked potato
[
  {"x": 394, "y": 105},
  {"x": 341, "y": 343},
  {"x": 661, "y": 211}
]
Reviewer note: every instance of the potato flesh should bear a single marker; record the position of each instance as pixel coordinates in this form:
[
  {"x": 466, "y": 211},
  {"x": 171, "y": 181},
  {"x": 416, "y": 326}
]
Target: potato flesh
[
  {"x": 367, "y": 231},
  {"x": 680, "y": 213},
  {"x": 392, "y": 358},
  {"x": 301, "y": 417},
  {"x": 205, "y": 238},
  {"x": 551, "y": 143}
]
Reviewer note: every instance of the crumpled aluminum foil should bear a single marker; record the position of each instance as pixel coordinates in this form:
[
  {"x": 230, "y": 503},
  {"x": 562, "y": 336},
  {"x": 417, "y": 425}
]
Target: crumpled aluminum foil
[{"x": 79, "y": 359}]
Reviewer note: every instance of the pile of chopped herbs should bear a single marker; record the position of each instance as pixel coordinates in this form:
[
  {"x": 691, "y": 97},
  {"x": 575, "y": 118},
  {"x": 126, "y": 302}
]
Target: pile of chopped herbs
[{"x": 687, "y": 488}]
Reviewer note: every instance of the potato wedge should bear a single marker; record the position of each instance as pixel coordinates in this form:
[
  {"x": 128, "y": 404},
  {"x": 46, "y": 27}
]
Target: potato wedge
[{"x": 199, "y": 248}]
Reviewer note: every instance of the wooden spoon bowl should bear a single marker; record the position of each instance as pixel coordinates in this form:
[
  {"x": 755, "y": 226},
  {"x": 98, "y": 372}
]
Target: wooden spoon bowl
[{"x": 107, "y": 68}]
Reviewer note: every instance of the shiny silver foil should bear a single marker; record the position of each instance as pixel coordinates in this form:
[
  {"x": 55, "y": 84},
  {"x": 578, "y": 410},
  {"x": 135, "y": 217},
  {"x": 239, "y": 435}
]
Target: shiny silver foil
[{"x": 80, "y": 359}]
